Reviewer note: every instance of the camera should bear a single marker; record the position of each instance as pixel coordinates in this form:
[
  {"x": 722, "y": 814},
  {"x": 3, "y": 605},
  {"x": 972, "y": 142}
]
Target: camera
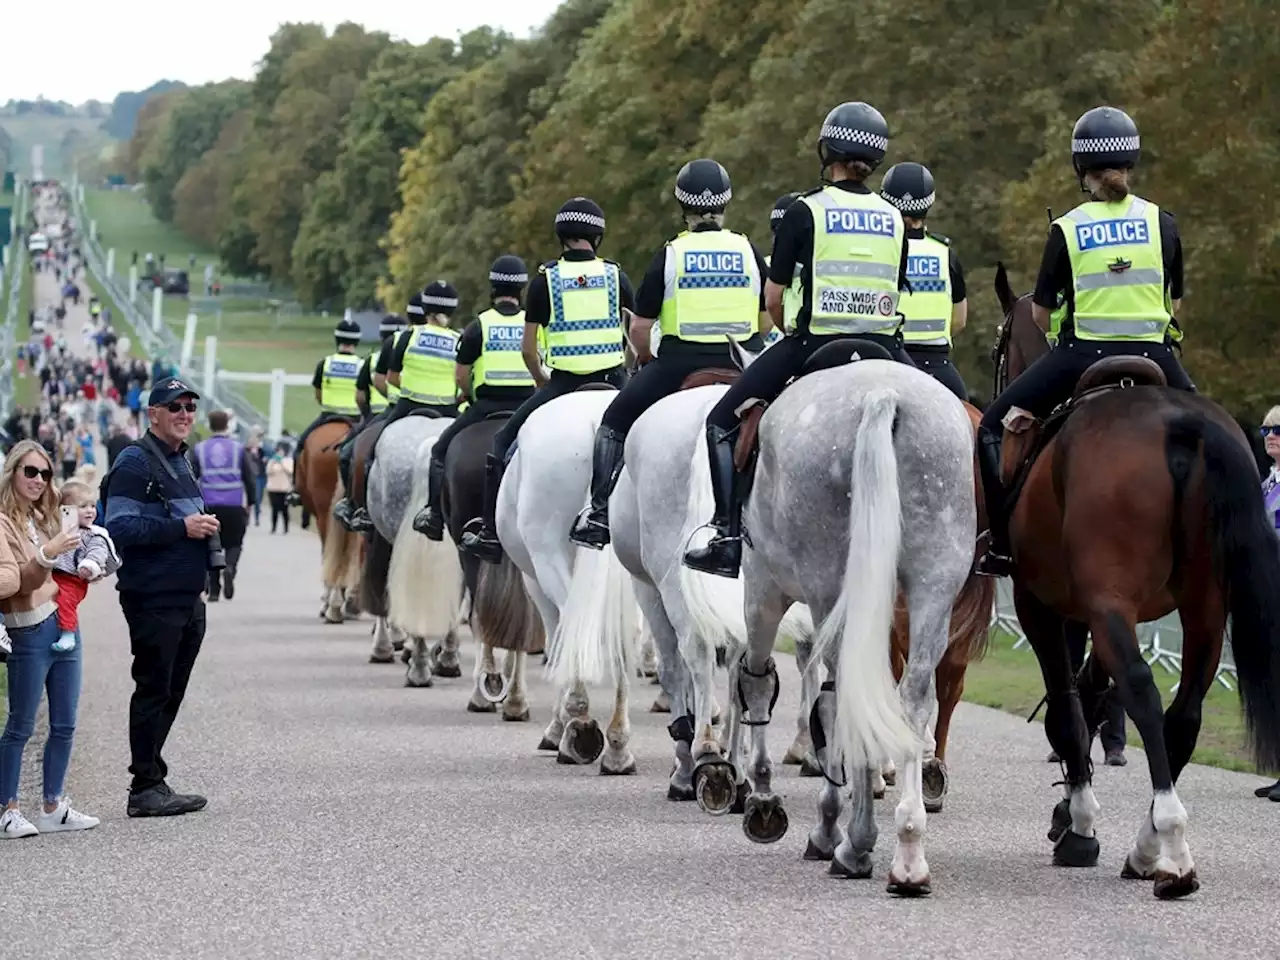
[{"x": 217, "y": 556}]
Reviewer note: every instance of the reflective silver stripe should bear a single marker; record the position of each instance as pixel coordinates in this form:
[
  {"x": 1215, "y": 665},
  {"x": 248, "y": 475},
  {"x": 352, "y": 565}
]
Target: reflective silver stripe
[
  {"x": 870, "y": 325},
  {"x": 1126, "y": 278},
  {"x": 924, "y": 326},
  {"x": 1110, "y": 327},
  {"x": 508, "y": 375},
  {"x": 707, "y": 329},
  {"x": 1136, "y": 210},
  {"x": 846, "y": 268},
  {"x": 825, "y": 199}
]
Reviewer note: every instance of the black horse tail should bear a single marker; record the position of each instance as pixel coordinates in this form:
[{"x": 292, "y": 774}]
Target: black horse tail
[{"x": 1246, "y": 561}]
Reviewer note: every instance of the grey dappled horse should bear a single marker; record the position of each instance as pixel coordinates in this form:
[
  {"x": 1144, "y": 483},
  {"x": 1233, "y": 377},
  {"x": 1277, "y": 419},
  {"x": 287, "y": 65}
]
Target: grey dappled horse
[{"x": 863, "y": 486}]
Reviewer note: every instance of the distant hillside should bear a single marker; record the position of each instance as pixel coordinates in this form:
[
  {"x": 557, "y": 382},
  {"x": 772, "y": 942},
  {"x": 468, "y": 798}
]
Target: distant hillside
[{"x": 123, "y": 115}]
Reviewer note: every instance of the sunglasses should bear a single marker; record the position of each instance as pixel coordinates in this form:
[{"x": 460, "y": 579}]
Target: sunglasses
[
  {"x": 180, "y": 407},
  {"x": 1272, "y": 431},
  {"x": 31, "y": 473}
]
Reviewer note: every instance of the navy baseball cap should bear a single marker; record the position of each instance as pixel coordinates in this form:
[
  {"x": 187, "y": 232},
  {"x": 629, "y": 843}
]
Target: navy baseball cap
[{"x": 168, "y": 390}]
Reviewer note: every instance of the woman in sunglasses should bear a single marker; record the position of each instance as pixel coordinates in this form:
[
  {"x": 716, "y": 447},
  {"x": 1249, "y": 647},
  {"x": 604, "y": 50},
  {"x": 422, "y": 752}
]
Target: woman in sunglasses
[
  {"x": 31, "y": 539},
  {"x": 1271, "y": 496}
]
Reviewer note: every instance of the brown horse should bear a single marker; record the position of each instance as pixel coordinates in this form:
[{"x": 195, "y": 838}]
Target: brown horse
[
  {"x": 1142, "y": 500},
  {"x": 316, "y": 480}
]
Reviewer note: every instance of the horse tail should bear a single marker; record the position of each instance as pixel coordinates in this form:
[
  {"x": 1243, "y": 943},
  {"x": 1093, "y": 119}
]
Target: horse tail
[
  {"x": 1246, "y": 562},
  {"x": 871, "y": 724},
  {"x": 971, "y": 618},
  {"x": 715, "y": 604},
  {"x": 599, "y": 623},
  {"x": 424, "y": 587},
  {"x": 502, "y": 613},
  {"x": 373, "y": 581},
  {"x": 340, "y": 555}
]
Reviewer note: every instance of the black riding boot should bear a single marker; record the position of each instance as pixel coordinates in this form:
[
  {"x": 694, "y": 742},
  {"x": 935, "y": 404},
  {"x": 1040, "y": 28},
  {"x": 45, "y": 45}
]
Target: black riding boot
[
  {"x": 429, "y": 521},
  {"x": 998, "y": 560},
  {"x": 483, "y": 541},
  {"x": 229, "y": 574},
  {"x": 591, "y": 529},
  {"x": 722, "y": 556},
  {"x": 359, "y": 520}
]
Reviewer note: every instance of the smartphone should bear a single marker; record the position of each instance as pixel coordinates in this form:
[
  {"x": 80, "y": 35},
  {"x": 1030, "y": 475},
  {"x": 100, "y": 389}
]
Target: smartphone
[{"x": 70, "y": 519}]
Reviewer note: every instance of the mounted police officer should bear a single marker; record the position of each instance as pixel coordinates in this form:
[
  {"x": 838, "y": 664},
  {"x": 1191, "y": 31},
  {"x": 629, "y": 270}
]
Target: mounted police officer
[
  {"x": 850, "y": 248},
  {"x": 421, "y": 368},
  {"x": 335, "y": 380},
  {"x": 575, "y": 311},
  {"x": 489, "y": 370},
  {"x": 1110, "y": 283},
  {"x": 791, "y": 299},
  {"x": 374, "y": 396},
  {"x": 937, "y": 307},
  {"x": 702, "y": 287}
]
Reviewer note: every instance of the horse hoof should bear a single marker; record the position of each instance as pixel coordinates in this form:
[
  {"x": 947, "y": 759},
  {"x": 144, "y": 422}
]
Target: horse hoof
[
  {"x": 763, "y": 819},
  {"x": 1170, "y": 887},
  {"x": 809, "y": 766},
  {"x": 935, "y": 784},
  {"x": 1073, "y": 850},
  {"x": 473, "y": 707},
  {"x": 548, "y": 744},
  {"x": 405, "y": 654},
  {"x": 450, "y": 672},
  {"x": 389, "y": 658},
  {"x": 333, "y": 619},
  {"x": 626, "y": 770},
  {"x": 740, "y": 798},
  {"x": 655, "y": 682},
  {"x": 397, "y": 645},
  {"x": 1060, "y": 821},
  {"x": 815, "y": 853},
  {"x": 520, "y": 717},
  {"x": 848, "y": 865},
  {"x": 582, "y": 742},
  {"x": 1129, "y": 872},
  {"x": 714, "y": 786},
  {"x": 494, "y": 687},
  {"x": 661, "y": 705},
  {"x": 679, "y": 793},
  {"x": 417, "y": 682},
  {"x": 352, "y": 608},
  {"x": 879, "y": 793},
  {"x": 909, "y": 888}
]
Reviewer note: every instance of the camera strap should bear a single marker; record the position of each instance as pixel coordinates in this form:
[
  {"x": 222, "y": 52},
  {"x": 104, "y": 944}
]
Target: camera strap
[{"x": 157, "y": 457}]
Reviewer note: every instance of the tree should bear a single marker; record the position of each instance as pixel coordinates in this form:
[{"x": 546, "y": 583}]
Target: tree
[{"x": 201, "y": 199}]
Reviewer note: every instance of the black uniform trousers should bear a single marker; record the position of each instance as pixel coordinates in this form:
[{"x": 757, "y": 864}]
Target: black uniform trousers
[
  {"x": 165, "y": 643},
  {"x": 347, "y": 451},
  {"x": 936, "y": 361},
  {"x": 1052, "y": 379},
  {"x": 769, "y": 373},
  {"x": 480, "y": 408},
  {"x": 561, "y": 382},
  {"x": 658, "y": 378}
]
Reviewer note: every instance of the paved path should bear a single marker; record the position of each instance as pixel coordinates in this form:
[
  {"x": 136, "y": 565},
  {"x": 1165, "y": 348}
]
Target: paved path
[{"x": 352, "y": 817}]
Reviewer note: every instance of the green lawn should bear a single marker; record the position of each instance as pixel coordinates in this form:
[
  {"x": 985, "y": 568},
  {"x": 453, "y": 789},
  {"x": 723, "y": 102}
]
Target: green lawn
[{"x": 126, "y": 223}]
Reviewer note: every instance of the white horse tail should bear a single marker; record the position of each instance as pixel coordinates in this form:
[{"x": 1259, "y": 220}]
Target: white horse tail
[
  {"x": 796, "y": 626},
  {"x": 871, "y": 725},
  {"x": 599, "y": 623},
  {"x": 715, "y": 604},
  {"x": 424, "y": 584}
]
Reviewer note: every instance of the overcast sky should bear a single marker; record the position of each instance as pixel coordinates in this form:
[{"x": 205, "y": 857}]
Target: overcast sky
[{"x": 78, "y": 50}]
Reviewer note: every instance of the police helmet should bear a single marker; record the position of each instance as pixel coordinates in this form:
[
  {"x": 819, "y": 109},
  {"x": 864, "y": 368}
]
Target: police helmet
[
  {"x": 1104, "y": 139},
  {"x": 702, "y": 186},
  {"x": 508, "y": 274},
  {"x": 853, "y": 131},
  {"x": 389, "y": 324},
  {"x": 414, "y": 309},
  {"x": 347, "y": 333},
  {"x": 439, "y": 296},
  {"x": 909, "y": 187},
  {"x": 580, "y": 219},
  {"x": 780, "y": 207}
]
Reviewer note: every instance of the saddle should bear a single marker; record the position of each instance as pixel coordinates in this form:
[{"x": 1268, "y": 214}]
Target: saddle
[
  {"x": 429, "y": 412},
  {"x": 832, "y": 355},
  {"x": 1026, "y": 437},
  {"x": 595, "y": 385},
  {"x": 710, "y": 377},
  {"x": 499, "y": 415}
]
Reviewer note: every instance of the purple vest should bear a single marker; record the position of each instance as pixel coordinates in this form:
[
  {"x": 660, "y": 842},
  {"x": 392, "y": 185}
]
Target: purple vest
[
  {"x": 1271, "y": 497},
  {"x": 221, "y": 483}
]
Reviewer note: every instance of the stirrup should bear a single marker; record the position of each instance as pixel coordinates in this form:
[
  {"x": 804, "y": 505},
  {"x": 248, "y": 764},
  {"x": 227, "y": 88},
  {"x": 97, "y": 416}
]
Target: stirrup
[
  {"x": 589, "y": 530},
  {"x": 360, "y": 521},
  {"x": 429, "y": 523},
  {"x": 294, "y": 499},
  {"x": 721, "y": 557},
  {"x": 992, "y": 563},
  {"x": 481, "y": 542}
]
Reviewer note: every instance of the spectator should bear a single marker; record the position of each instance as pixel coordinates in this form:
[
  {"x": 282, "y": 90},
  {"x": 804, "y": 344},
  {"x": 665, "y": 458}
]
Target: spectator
[
  {"x": 30, "y": 540},
  {"x": 116, "y": 442},
  {"x": 93, "y": 558},
  {"x": 279, "y": 484},
  {"x": 1271, "y": 498},
  {"x": 157, "y": 520},
  {"x": 228, "y": 487},
  {"x": 258, "y": 462}
]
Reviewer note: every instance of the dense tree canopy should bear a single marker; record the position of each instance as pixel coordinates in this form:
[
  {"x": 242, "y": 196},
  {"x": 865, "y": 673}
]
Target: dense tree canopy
[{"x": 356, "y": 169}]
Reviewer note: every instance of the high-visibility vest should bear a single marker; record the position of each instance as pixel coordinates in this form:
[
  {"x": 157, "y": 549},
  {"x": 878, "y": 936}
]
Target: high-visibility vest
[
  {"x": 501, "y": 363},
  {"x": 1117, "y": 271},
  {"x": 338, "y": 384},
  {"x": 792, "y": 301},
  {"x": 393, "y": 392},
  {"x": 426, "y": 374},
  {"x": 585, "y": 332},
  {"x": 926, "y": 310},
  {"x": 712, "y": 289},
  {"x": 857, "y": 256},
  {"x": 377, "y": 402}
]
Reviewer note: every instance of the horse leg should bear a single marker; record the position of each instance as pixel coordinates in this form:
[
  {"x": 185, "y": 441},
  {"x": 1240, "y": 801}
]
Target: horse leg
[
  {"x": 419, "y": 672},
  {"x": 763, "y": 820},
  {"x": 487, "y": 685},
  {"x": 826, "y": 835},
  {"x": 383, "y": 651},
  {"x": 649, "y": 657},
  {"x": 446, "y": 651},
  {"x": 333, "y": 605},
  {"x": 672, "y": 674},
  {"x": 516, "y": 707},
  {"x": 617, "y": 759},
  {"x": 949, "y": 681},
  {"x": 582, "y": 742},
  {"x": 1072, "y": 823},
  {"x": 800, "y": 753}
]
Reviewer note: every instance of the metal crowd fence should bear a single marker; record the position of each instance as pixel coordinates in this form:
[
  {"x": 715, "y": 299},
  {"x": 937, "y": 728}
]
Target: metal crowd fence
[
  {"x": 1160, "y": 640},
  {"x": 14, "y": 267},
  {"x": 157, "y": 339}
]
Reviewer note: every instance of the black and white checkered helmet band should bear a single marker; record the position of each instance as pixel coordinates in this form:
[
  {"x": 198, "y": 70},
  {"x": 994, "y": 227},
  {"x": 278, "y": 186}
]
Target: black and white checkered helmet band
[
  {"x": 415, "y": 310},
  {"x": 850, "y": 135},
  {"x": 431, "y": 300},
  {"x": 1106, "y": 145},
  {"x": 776, "y": 214},
  {"x": 706, "y": 200},
  {"x": 495, "y": 277},
  {"x": 576, "y": 216},
  {"x": 910, "y": 204},
  {"x": 351, "y": 336}
]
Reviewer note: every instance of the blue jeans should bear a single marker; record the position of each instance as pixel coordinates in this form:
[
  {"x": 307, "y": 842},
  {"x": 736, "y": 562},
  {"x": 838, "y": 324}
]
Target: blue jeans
[
  {"x": 260, "y": 486},
  {"x": 34, "y": 665}
]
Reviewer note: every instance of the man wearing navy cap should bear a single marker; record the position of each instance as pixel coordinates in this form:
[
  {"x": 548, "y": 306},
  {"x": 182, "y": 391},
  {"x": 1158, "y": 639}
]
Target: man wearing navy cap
[{"x": 167, "y": 544}]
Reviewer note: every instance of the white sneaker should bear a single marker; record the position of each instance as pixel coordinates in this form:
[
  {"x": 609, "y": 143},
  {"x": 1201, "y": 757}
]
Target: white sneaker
[
  {"x": 64, "y": 818},
  {"x": 14, "y": 826}
]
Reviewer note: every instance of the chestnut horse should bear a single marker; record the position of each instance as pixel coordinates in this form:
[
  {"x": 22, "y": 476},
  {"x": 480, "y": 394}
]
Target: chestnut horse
[
  {"x": 1144, "y": 501},
  {"x": 316, "y": 481}
]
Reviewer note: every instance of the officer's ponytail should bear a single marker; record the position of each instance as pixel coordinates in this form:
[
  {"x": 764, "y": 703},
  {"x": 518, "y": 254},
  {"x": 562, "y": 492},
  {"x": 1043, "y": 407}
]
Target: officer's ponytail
[
  {"x": 859, "y": 170},
  {"x": 1110, "y": 186}
]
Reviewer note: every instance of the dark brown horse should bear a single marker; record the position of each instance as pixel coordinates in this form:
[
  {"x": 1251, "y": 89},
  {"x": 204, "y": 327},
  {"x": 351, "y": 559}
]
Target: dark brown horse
[{"x": 1144, "y": 500}]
